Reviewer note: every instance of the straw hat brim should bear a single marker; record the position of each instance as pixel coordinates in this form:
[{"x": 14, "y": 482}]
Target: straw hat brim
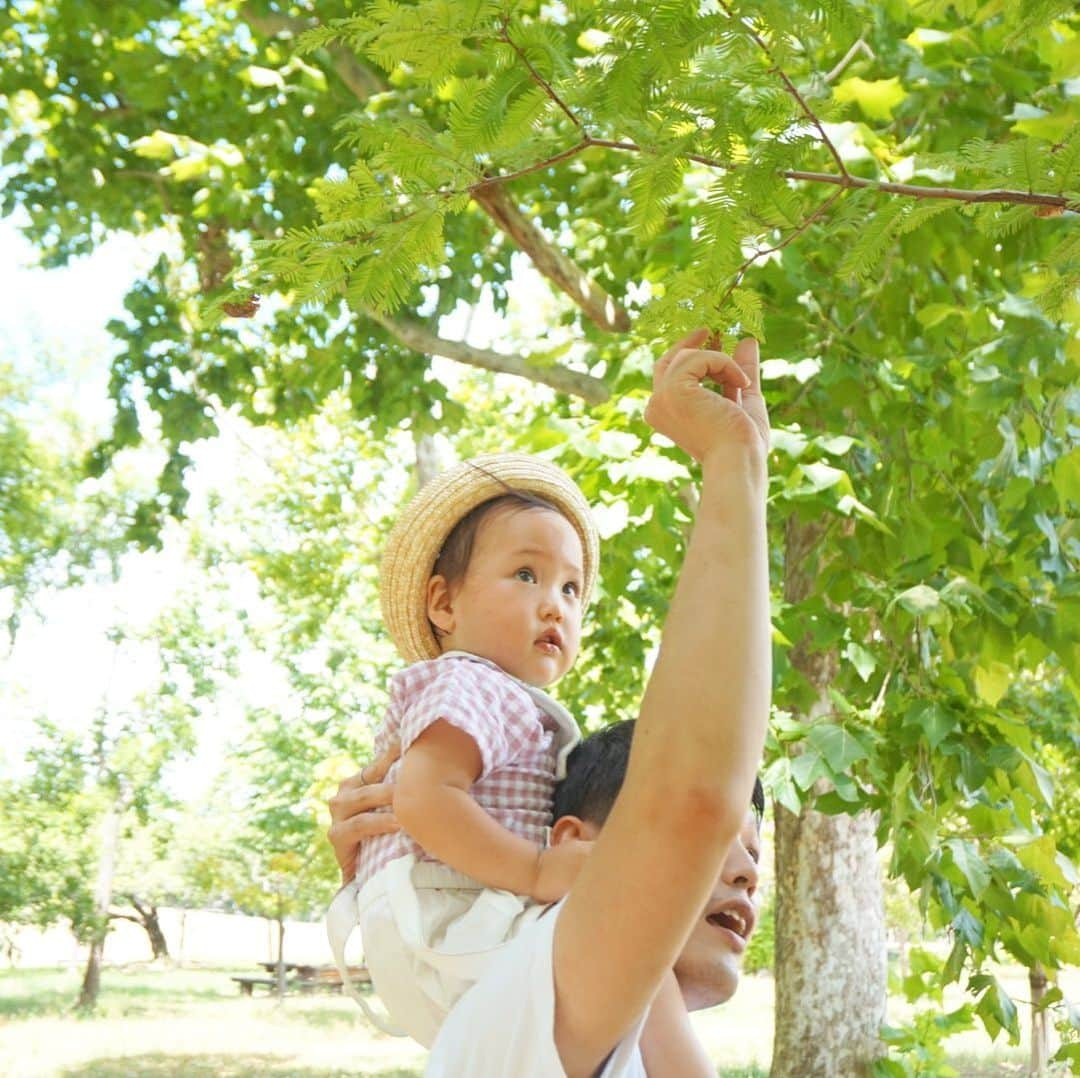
[{"x": 418, "y": 535}]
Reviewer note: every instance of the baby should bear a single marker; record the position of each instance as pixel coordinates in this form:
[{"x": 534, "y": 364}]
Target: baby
[
  {"x": 485, "y": 578},
  {"x": 484, "y": 582}
]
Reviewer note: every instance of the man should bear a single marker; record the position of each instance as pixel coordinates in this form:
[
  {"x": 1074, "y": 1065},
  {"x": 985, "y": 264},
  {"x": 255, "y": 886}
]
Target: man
[
  {"x": 707, "y": 970},
  {"x": 571, "y": 994}
]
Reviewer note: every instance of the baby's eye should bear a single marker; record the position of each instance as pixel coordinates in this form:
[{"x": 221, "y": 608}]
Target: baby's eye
[
  {"x": 526, "y": 575},
  {"x": 571, "y": 587}
]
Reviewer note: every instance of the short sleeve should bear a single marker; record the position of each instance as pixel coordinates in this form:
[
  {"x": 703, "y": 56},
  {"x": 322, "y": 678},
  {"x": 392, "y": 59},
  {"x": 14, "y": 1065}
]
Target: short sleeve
[{"x": 479, "y": 700}]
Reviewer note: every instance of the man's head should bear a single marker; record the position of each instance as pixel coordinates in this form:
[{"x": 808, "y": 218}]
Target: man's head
[
  {"x": 708, "y": 968},
  {"x": 508, "y": 586}
]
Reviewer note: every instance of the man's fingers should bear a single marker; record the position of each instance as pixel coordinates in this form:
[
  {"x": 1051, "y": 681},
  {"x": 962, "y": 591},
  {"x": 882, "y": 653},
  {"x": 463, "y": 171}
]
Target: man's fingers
[
  {"x": 691, "y": 340},
  {"x": 377, "y": 769},
  {"x": 357, "y": 829},
  {"x": 351, "y": 799},
  {"x": 747, "y": 357},
  {"x": 695, "y": 365}
]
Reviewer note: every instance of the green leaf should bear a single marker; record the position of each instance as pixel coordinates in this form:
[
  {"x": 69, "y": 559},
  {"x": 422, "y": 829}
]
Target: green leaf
[
  {"x": 920, "y": 600},
  {"x": 996, "y": 1009},
  {"x": 933, "y": 721},
  {"x": 876, "y": 99},
  {"x": 992, "y": 682},
  {"x": 971, "y": 865},
  {"x": 863, "y": 660},
  {"x": 837, "y": 745}
]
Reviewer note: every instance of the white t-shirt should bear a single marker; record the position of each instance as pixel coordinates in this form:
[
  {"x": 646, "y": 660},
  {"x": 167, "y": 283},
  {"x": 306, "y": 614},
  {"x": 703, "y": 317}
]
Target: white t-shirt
[{"x": 505, "y": 1024}]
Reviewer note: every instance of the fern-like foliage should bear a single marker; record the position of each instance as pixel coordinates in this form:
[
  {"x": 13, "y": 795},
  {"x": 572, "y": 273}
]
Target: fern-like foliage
[{"x": 677, "y": 87}]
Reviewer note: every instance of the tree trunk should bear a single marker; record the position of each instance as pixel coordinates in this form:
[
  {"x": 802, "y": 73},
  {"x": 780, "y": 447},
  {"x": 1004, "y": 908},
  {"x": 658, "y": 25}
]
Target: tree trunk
[
  {"x": 281, "y": 951},
  {"x": 148, "y": 918},
  {"x": 1040, "y": 1027},
  {"x": 428, "y": 463},
  {"x": 830, "y": 946},
  {"x": 110, "y": 834},
  {"x": 830, "y": 958}
]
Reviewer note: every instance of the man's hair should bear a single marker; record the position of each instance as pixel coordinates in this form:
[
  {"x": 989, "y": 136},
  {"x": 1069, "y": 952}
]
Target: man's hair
[{"x": 595, "y": 771}]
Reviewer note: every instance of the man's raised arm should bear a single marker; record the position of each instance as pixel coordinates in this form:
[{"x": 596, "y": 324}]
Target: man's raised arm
[{"x": 699, "y": 737}]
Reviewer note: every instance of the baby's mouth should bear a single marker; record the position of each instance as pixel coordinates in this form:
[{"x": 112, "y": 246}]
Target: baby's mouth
[{"x": 551, "y": 642}]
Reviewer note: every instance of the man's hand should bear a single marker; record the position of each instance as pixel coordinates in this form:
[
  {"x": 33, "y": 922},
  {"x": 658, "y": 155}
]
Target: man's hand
[
  {"x": 558, "y": 867},
  {"x": 703, "y": 422},
  {"x": 352, "y": 811}
]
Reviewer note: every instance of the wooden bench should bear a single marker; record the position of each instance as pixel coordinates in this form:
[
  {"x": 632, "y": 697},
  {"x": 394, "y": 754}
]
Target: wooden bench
[
  {"x": 247, "y": 983},
  {"x": 305, "y": 979},
  {"x": 328, "y": 979}
]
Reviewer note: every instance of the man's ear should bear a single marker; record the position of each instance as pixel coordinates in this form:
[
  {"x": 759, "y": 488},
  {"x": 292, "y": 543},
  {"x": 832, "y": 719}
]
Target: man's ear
[
  {"x": 572, "y": 827},
  {"x": 440, "y": 610}
]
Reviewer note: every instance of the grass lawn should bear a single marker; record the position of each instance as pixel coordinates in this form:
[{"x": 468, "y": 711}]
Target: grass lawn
[{"x": 156, "y": 1022}]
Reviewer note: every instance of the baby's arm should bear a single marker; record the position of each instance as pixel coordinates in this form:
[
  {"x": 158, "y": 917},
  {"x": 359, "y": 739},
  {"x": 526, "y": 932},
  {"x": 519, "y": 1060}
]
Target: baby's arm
[{"x": 433, "y": 804}]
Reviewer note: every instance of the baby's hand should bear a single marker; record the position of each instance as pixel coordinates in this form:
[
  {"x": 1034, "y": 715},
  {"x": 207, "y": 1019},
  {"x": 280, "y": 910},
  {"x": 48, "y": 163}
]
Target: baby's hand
[
  {"x": 703, "y": 422},
  {"x": 558, "y": 867}
]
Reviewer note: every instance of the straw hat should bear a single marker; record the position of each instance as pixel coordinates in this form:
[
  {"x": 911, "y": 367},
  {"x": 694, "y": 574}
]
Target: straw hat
[{"x": 417, "y": 537}]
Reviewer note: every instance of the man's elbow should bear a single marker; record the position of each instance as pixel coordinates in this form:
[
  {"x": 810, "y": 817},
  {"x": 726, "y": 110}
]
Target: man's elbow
[{"x": 705, "y": 813}]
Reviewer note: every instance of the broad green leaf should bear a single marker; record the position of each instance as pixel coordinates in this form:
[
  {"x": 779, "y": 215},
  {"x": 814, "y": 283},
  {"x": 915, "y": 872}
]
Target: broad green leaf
[
  {"x": 992, "y": 682},
  {"x": 837, "y": 745},
  {"x": 876, "y": 98},
  {"x": 971, "y": 865}
]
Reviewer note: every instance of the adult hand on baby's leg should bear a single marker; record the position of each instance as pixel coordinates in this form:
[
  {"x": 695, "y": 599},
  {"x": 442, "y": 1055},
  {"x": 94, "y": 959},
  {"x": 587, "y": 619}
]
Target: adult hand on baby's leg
[
  {"x": 352, "y": 811},
  {"x": 701, "y": 421}
]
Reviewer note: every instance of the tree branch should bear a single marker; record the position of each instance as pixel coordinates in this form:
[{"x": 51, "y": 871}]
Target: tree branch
[
  {"x": 956, "y": 194},
  {"x": 550, "y": 261},
  {"x": 417, "y": 337}
]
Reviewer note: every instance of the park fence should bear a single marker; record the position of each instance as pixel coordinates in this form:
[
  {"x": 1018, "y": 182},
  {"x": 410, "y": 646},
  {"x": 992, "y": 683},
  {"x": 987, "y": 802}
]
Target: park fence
[{"x": 195, "y": 937}]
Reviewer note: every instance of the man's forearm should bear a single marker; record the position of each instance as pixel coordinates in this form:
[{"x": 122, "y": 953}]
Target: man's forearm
[{"x": 704, "y": 716}]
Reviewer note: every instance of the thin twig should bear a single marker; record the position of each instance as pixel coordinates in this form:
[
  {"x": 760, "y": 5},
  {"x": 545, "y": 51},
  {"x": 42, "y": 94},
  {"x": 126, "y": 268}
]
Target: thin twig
[
  {"x": 859, "y": 46},
  {"x": 740, "y": 273},
  {"x": 505, "y": 35},
  {"x": 791, "y": 88},
  {"x": 572, "y": 152}
]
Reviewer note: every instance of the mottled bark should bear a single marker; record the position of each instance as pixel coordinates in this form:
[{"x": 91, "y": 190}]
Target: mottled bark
[
  {"x": 830, "y": 946},
  {"x": 110, "y": 835},
  {"x": 830, "y": 961}
]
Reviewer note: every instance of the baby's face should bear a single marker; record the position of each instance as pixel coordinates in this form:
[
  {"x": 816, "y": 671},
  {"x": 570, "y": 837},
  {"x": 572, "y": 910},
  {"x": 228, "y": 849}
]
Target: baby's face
[{"x": 519, "y": 604}]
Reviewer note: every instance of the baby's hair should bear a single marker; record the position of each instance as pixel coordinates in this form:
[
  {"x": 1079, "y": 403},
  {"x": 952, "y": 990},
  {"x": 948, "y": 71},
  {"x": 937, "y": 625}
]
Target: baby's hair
[{"x": 453, "y": 559}]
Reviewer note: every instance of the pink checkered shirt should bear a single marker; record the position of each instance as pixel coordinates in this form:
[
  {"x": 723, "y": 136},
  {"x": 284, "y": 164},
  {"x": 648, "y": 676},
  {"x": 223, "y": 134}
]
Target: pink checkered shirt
[{"x": 522, "y": 734}]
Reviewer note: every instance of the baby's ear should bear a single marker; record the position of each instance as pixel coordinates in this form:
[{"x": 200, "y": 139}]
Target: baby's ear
[{"x": 440, "y": 611}]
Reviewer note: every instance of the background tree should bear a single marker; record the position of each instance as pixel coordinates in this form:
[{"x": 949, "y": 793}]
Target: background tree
[{"x": 883, "y": 192}]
